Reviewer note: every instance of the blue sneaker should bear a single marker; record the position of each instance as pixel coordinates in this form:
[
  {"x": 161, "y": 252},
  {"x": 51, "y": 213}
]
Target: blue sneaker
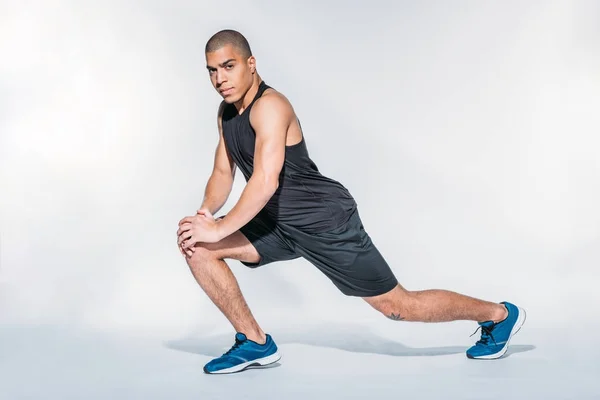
[
  {"x": 496, "y": 336},
  {"x": 243, "y": 354}
]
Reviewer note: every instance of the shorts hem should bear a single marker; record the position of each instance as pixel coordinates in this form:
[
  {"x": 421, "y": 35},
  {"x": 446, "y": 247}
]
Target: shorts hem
[
  {"x": 260, "y": 263},
  {"x": 257, "y": 244},
  {"x": 268, "y": 251},
  {"x": 383, "y": 288}
]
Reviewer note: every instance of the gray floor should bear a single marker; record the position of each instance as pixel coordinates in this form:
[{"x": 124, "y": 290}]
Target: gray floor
[{"x": 322, "y": 361}]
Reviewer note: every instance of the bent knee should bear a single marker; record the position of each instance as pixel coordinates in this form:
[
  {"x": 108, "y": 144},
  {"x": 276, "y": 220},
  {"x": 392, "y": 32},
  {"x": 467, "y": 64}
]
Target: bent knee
[{"x": 202, "y": 252}]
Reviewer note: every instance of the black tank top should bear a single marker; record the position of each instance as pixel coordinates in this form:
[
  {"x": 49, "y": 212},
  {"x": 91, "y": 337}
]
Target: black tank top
[{"x": 305, "y": 199}]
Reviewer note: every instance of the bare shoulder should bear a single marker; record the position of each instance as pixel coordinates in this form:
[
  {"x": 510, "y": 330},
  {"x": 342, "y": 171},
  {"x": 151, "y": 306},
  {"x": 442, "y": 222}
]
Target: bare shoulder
[{"x": 272, "y": 105}]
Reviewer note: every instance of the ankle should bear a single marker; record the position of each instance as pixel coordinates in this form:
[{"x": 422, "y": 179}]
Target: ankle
[
  {"x": 257, "y": 336},
  {"x": 501, "y": 313}
]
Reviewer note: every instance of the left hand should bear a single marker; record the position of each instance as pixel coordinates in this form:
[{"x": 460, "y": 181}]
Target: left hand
[{"x": 198, "y": 228}]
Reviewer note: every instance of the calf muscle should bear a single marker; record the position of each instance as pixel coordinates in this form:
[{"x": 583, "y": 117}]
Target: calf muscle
[{"x": 216, "y": 279}]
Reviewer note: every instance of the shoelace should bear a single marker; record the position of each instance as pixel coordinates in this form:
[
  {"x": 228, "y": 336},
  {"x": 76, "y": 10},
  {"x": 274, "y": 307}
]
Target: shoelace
[
  {"x": 486, "y": 334},
  {"x": 234, "y": 347}
]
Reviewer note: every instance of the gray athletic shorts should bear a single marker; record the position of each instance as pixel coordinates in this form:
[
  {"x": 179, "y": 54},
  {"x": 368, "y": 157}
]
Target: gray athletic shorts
[{"x": 346, "y": 254}]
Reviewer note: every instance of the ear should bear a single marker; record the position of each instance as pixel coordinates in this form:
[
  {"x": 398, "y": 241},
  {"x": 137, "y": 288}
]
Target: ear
[{"x": 252, "y": 64}]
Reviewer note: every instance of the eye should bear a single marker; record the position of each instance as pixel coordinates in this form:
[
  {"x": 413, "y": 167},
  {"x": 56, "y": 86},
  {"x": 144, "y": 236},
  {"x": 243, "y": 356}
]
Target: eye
[{"x": 228, "y": 66}]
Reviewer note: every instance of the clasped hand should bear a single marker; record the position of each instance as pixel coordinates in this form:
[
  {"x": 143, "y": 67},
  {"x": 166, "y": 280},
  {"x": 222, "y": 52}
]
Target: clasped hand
[{"x": 201, "y": 227}]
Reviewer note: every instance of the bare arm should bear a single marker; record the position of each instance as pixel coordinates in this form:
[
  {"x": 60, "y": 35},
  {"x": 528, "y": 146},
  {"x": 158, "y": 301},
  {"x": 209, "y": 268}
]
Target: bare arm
[
  {"x": 270, "y": 117},
  {"x": 220, "y": 182}
]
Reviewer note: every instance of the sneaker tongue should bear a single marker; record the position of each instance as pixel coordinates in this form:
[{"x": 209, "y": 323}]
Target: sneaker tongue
[
  {"x": 240, "y": 337},
  {"x": 487, "y": 324}
]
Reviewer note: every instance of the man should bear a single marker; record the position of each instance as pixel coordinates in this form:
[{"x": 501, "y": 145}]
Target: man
[{"x": 288, "y": 209}]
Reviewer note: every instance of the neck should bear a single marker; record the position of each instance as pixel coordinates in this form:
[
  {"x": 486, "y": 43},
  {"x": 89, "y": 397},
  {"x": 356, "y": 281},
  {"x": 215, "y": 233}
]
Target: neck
[{"x": 245, "y": 101}]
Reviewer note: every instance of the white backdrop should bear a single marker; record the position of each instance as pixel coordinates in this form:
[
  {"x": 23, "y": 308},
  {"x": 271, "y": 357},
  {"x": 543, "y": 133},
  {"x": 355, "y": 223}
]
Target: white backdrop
[{"x": 467, "y": 131}]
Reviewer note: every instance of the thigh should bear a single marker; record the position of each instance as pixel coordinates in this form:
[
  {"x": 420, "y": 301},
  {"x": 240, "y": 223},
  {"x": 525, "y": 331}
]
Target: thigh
[
  {"x": 350, "y": 259},
  {"x": 235, "y": 246},
  {"x": 264, "y": 240}
]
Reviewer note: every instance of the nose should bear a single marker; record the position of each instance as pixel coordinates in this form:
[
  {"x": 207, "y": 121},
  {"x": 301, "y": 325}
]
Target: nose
[{"x": 220, "y": 77}]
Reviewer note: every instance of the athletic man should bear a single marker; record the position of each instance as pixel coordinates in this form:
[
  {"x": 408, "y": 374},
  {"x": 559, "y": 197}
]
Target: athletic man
[{"x": 288, "y": 209}]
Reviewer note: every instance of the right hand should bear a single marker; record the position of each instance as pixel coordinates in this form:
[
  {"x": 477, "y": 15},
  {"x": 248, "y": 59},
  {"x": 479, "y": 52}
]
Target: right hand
[{"x": 190, "y": 251}]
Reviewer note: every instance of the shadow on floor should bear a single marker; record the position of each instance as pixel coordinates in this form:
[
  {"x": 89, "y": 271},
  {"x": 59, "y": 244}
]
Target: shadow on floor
[{"x": 352, "y": 338}]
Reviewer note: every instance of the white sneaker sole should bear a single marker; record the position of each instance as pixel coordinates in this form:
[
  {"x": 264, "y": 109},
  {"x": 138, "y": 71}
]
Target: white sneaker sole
[
  {"x": 260, "y": 362},
  {"x": 520, "y": 321}
]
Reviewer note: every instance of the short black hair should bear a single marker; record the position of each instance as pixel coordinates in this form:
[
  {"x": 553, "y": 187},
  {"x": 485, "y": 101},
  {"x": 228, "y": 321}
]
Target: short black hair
[{"x": 228, "y": 36}]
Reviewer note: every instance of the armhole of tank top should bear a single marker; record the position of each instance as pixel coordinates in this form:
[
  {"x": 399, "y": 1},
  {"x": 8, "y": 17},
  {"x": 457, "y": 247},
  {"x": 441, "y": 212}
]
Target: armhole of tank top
[
  {"x": 302, "y": 140},
  {"x": 301, "y": 130},
  {"x": 263, "y": 86}
]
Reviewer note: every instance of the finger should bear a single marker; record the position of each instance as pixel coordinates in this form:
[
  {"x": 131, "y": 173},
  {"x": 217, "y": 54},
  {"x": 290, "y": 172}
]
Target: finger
[
  {"x": 184, "y": 252},
  {"x": 204, "y": 211},
  {"x": 183, "y": 228},
  {"x": 184, "y": 236},
  {"x": 181, "y": 250},
  {"x": 205, "y": 214},
  {"x": 191, "y": 242},
  {"x": 186, "y": 219}
]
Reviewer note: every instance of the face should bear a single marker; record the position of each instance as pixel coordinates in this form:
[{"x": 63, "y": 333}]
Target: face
[{"x": 230, "y": 74}]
